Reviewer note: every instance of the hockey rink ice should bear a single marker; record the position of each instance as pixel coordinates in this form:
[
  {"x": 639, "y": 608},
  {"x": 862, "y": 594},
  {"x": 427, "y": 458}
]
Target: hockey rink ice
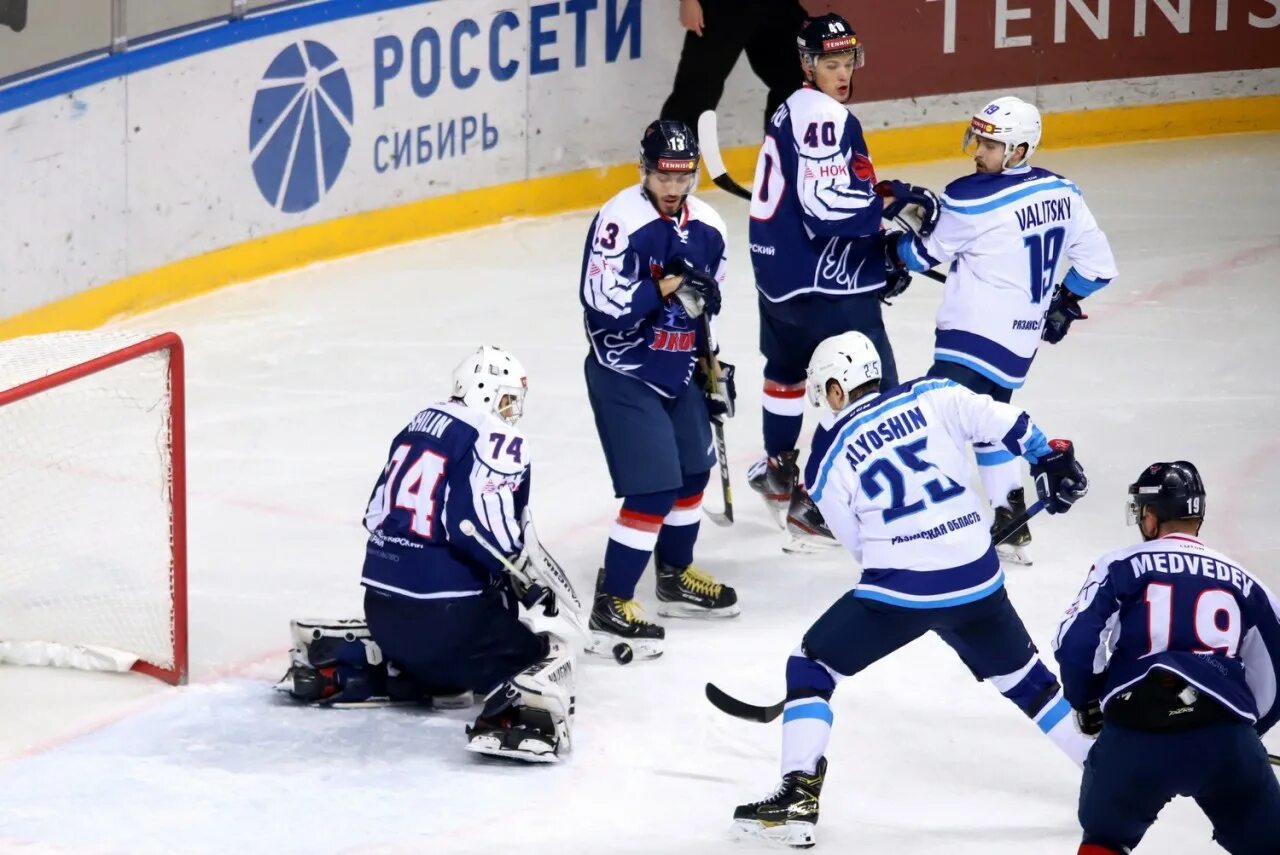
[{"x": 297, "y": 384}]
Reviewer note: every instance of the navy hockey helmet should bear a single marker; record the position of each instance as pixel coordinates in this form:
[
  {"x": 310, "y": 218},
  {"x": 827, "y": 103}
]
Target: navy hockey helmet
[
  {"x": 828, "y": 35},
  {"x": 668, "y": 145},
  {"x": 1173, "y": 491}
]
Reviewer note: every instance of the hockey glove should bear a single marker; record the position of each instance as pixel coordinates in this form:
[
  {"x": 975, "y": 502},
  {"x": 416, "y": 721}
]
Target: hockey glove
[
  {"x": 1064, "y": 309},
  {"x": 721, "y": 404},
  {"x": 699, "y": 292},
  {"x": 1060, "y": 480},
  {"x": 1089, "y": 719},
  {"x": 905, "y": 194},
  {"x": 897, "y": 276}
]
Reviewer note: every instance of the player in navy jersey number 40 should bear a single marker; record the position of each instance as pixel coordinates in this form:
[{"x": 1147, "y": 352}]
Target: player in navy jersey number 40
[
  {"x": 651, "y": 274},
  {"x": 1004, "y": 232},
  {"x": 1171, "y": 654},
  {"x": 441, "y": 609},
  {"x": 888, "y": 469},
  {"x": 818, "y": 254}
]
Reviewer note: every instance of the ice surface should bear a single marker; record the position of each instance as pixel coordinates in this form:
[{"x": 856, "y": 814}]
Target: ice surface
[{"x": 296, "y": 386}]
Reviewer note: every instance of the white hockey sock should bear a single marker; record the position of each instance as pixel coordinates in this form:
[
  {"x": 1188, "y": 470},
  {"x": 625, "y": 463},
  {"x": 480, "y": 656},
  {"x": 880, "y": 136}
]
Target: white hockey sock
[
  {"x": 806, "y": 729},
  {"x": 1057, "y": 723}
]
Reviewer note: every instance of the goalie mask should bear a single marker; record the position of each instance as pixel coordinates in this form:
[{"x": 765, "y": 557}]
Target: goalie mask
[
  {"x": 493, "y": 381},
  {"x": 850, "y": 359},
  {"x": 1007, "y": 120}
]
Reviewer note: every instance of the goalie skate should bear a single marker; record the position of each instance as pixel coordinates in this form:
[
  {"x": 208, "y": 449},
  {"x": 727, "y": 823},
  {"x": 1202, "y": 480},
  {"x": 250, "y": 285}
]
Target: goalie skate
[{"x": 525, "y": 734}]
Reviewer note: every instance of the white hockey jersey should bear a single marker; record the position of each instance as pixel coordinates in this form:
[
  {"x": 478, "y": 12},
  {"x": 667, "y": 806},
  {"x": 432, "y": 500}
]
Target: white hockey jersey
[
  {"x": 1004, "y": 237},
  {"x": 889, "y": 472}
]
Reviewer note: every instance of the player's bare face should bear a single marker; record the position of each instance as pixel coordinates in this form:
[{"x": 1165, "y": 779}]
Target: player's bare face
[
  {"x": 988, "y": 157},
  {"x": 668, "y": 190},
  {"x": 833, "y": 75}
]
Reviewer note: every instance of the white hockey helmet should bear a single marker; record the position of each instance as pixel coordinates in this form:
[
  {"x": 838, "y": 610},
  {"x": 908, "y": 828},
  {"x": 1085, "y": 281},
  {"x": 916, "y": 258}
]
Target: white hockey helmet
[
  {"x": 1009, "y": 120},
  {"x": 487, "y": 377},
  {"x": 850, "y": 359}
]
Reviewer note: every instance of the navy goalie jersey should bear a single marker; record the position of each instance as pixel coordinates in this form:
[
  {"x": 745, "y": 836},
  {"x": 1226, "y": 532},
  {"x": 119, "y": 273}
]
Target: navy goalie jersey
[
  {"x": 815, "y": 215},
  {"x": 1173, "y": 604},
  {"x": 450, "y": 463}
]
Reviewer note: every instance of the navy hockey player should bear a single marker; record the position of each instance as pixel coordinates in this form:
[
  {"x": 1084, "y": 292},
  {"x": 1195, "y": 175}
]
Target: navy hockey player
[
  {"x": 1171, "y": 654},
  {"x": 888, "y": 470},
  {"x": 1004, "y": 232},
  {"x": 817, "y": 249},
  {"x": 651, "y": 274},
  {"x": 441, "y": 609}
]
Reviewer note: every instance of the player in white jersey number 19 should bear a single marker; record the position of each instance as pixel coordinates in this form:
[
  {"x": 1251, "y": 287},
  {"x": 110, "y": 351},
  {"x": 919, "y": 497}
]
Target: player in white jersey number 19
[{"x": 1003, "y": 233}]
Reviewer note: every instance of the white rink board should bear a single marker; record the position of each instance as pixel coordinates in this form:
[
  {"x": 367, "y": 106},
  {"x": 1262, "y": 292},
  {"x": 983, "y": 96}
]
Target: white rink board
[{"x": 298, "y": 382}]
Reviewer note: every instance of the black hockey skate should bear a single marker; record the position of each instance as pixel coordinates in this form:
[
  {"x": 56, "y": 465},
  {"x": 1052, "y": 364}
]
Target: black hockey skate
[
  {"x": 808, "y": 530},
  {"x": 790, "y": 815},
  {"x": 689, "y": 592},
  {"x": 774, "y": 478},
  {"x": 619, "y": 630},
  {"x": 516, "y": 733},
  {"x": 1013, "y": 549}
]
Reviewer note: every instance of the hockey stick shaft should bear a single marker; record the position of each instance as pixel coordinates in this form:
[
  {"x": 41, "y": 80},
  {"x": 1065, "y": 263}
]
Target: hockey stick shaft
[
  {"x": 730, "y": 705},
  {"x": 709, "y": 140},
  {"x": 1275, "y": 759},
  {"x": 469, "y": 529},
  {"x": 1016, "y": 523},
  {"x": 717, "y": 427}
]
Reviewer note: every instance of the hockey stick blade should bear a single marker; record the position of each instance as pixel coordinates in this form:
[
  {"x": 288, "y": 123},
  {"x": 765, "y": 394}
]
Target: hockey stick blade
[
  {"x": 730, "y": 705},
  {"x": 1016, "y": 523},
  {"x": 709, "y": 139}
]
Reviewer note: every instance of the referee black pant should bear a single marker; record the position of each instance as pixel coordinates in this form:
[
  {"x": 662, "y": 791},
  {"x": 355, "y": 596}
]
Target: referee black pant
[{"x": 765, "y": 29}]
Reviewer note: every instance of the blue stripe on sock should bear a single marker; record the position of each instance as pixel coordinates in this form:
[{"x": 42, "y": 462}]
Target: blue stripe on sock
[
  {"x": 1057, "y": 713},
  {"x": 813, "y": 709}
]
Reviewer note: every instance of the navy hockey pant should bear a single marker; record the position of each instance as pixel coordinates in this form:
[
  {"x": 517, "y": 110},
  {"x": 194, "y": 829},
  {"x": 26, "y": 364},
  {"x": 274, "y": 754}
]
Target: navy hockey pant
[
  {"x": 971, "y": 380},
  {"x": 452, "y": 645},
  {"x": 791, "y": 330},
  {"x": 1131, "y": 774},
  {"x": 856, "y": 632},
  {"x": 651, "y": 443}
]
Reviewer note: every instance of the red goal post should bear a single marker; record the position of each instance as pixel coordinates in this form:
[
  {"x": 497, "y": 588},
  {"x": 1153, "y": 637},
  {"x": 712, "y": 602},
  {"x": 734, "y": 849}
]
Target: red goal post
[{"x": 93, "y": 552}]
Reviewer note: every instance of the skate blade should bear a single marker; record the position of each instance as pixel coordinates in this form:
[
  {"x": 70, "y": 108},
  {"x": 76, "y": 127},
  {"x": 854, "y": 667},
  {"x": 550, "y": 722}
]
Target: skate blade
[
  {"x": 804, "y": 544},
  {"x": 1013, "y": 554},
  {"x": 795, "y": 835},
  {"x": 677, "y": 609},
  {"x": 530, "y": 750},
  {"x": 602, "y": 644}
]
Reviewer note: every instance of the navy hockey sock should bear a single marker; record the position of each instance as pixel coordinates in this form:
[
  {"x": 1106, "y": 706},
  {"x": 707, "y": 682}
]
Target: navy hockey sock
[
  {"x": 680, "y": 527},
  {"x": 1036, "y": 691},
  {"x": 783, "y": 416},
  {"x": 632, "y": 539}
]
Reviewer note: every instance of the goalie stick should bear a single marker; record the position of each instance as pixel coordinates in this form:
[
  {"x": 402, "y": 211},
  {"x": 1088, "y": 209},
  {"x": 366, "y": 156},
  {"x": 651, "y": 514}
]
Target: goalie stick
[
  {"x": 717, "y": 427},
  {"x": 709, "y": 139}
]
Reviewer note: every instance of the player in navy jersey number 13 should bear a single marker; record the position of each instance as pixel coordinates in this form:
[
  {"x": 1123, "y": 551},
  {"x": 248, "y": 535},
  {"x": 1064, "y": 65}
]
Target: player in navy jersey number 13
[
  {"x": 818, "y": 254},
  {"x": 1004, "y": 232},
  {"x": 1189, "y": 683},
  {"x": 651, "y": 274},
  {"x": 888, "y": 469}
]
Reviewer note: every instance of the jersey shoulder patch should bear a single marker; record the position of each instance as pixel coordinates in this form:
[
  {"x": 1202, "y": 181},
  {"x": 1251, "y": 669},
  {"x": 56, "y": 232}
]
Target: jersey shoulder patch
[{"x": 817, "y": 123}]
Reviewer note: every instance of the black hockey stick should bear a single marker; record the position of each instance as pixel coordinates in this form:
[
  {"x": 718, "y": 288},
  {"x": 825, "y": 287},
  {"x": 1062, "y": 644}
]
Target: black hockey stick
[
  {"x": 717, "y": 427},
  {"x": 709, "y": 140},
  {"x": 1016, "y": 523},
  {"x": 740, "y": 709},
  {"x": 1275, "y": 759}
]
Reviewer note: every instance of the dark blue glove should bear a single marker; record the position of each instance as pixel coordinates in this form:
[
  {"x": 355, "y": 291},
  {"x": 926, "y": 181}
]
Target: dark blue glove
[
  {"x": 1090, "y": 719},
  {"x": 1063, "y": 309},
  {"x": 722, "y": 403},
  {"x": 905, "y": 194},
  {"x": 897, "y": 276},
  {"x": 699, "y": 292},
  {"x": 1060, "y": 480}
]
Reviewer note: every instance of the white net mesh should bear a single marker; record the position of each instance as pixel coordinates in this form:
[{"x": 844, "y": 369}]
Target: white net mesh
[{"x": 86, "y": 558}]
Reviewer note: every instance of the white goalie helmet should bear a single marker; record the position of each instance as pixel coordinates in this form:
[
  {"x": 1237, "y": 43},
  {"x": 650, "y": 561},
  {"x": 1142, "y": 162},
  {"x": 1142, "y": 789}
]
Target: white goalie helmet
[
  {"x": 1009, "y": 120},
  {"x": 487, "y": 377},
  {"x": 849, "y": 358}
]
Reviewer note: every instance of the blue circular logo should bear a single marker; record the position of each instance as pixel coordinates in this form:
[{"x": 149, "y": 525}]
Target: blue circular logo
[{"x": 300, "y": 129}]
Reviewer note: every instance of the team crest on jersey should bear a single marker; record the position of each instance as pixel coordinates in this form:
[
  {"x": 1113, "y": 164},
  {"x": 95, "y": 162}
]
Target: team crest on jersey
[{"x": 863, "y": 168}]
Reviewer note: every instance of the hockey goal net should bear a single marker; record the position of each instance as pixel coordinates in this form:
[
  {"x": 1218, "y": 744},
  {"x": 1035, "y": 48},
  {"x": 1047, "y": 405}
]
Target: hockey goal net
[{"x": 92, "y": 503}]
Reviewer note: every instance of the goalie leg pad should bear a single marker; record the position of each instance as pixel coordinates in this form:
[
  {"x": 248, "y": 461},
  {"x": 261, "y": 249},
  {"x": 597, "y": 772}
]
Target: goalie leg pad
[
  {"x": 530, "y": 717},
  {"x": 334, "y": 662}
]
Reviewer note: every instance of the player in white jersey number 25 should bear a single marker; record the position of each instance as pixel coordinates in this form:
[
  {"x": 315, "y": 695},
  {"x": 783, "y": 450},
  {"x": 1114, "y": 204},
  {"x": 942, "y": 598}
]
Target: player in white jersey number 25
[{"x": 888, "y": 470}]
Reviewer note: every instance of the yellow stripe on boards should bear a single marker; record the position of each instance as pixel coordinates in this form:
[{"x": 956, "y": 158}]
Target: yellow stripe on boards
[{"x": 585, "y": 188}]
